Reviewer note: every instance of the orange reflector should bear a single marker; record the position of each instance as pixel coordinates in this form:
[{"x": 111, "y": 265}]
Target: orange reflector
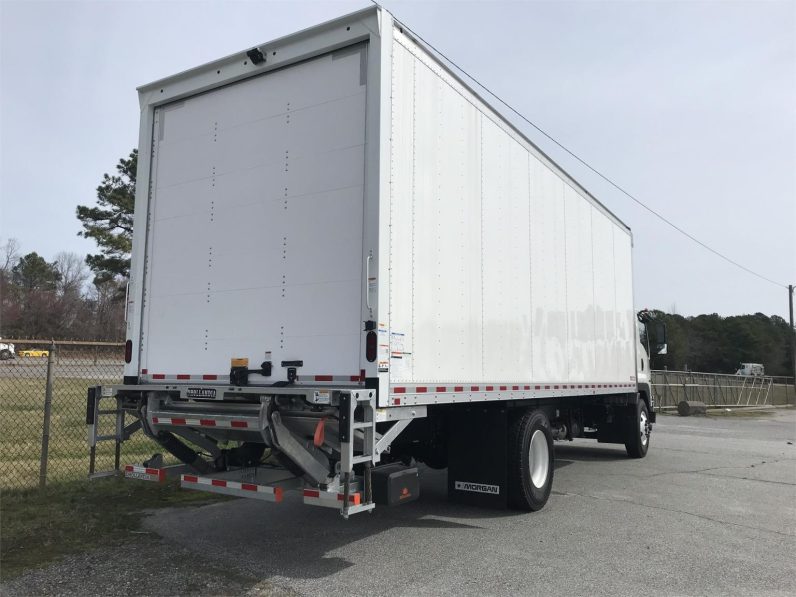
[
  {"x": 236, "y": 362},
  {"x": 320, "y": 433}
]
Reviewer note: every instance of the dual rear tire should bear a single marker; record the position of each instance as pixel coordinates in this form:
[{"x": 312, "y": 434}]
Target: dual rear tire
[{"x": 530, "y": 453}]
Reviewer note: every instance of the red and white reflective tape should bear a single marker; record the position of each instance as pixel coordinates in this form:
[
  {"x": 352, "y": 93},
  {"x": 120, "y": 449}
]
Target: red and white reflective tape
[
  {"x": 220, "y": 423},
  {"x": 504, "y": 387},
  {"x": 425, "y": 393},
  {"x": 185, "y": 376},
  {"x": 143, "y": 473},
  {"x": 341, "y": 378},
  {"x": 316, "y": 497},
  {"x": 359, "y": 378},
  {"x": 268, "y": 493}
]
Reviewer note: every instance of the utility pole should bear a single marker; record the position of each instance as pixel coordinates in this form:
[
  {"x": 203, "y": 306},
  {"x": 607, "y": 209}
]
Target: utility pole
[{"x": 792, "y": 333}]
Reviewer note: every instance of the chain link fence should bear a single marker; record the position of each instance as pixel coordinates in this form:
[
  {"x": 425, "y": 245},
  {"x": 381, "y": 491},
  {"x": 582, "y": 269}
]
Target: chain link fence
[{"x": 43, "y": 434}]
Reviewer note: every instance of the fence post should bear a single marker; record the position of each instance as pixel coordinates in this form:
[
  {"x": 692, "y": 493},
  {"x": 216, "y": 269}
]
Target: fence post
[{"x": 48, "y": 401}]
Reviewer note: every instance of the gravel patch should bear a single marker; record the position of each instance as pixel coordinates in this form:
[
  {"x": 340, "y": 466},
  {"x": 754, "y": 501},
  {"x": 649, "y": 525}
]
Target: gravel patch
[{"x": 145, "y": 566}]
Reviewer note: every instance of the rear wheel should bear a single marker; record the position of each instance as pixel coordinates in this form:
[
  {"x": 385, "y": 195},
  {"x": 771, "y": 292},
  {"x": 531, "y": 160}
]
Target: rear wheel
[
  {"x": 638, "y": 431},
  {"x": 5, "y": 354},
  {"x": 530, "y": 451}
]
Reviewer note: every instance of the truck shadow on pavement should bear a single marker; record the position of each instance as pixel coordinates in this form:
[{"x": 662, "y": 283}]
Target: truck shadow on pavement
[
  {"x": 568, "y": 453},
  {"x": 297, "y": 541}
]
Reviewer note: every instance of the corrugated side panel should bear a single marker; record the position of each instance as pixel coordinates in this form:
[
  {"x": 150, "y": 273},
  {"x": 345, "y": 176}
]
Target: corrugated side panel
[
  {"x": 501, "y": 271},
  {"x": 255, "y": 235}
]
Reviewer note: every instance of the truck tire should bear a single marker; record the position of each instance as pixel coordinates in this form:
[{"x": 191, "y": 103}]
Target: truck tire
[
  {"x": 638, "y": 431},
  {"x": 530, "y": 461},
  {"x": 5, "y": 354}
]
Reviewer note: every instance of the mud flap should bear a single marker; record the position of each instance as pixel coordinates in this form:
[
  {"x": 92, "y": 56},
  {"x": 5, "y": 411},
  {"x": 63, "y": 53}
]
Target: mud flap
[{"x": 478, "y": 456}]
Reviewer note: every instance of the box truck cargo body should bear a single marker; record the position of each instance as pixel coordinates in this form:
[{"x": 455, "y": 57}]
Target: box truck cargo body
[{"x": 340, "y": 250}]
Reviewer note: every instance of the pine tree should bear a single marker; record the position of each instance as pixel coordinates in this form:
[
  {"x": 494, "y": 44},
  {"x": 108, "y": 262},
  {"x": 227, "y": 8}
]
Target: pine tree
[{"x": 110, "y": 222}]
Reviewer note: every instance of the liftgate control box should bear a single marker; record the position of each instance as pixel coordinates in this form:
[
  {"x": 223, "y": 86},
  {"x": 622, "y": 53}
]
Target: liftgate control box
[{"x": 395, "y": 484}]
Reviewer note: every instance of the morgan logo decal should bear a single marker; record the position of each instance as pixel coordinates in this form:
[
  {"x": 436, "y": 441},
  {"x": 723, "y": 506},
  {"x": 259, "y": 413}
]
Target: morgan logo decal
[{"x": 477, "y": 487}]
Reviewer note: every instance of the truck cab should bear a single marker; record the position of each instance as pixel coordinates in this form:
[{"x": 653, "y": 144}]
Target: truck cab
[{"x": 650, "y": 340}]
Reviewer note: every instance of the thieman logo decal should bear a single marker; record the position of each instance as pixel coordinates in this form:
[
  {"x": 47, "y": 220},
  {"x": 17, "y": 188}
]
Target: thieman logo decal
[
  {"x": 201, "y": 393},
  {"x": 477, "y": 487},
  {"x": 143, "y": 476}
]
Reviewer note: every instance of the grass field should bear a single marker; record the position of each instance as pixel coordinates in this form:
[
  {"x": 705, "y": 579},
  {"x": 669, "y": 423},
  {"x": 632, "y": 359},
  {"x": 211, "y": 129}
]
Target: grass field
[
  {"x": 40, "y": 526},
  {"x": 21, "y": 425},
  {"x": 71, "y": 514}
]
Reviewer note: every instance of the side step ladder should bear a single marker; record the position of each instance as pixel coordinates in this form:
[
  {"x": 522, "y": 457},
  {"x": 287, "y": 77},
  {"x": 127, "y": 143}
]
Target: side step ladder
[
  {"x": 96, "y": 412},
  {"x": 352, "y": 500}
]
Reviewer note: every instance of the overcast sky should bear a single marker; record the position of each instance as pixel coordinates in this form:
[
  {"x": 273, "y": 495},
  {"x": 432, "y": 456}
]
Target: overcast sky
[{"x": 691, "y": 106}]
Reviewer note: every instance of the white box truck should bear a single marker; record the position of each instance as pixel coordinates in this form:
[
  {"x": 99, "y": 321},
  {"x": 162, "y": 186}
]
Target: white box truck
[{"x": 345, "y": 261}]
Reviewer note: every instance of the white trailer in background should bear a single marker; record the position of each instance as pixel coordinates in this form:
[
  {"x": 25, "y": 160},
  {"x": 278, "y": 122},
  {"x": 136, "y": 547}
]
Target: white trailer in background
[
  {"x": 6, "y": 351},
  {"x": 751, "y": 369},
  {"x": 345, "y": 261}
]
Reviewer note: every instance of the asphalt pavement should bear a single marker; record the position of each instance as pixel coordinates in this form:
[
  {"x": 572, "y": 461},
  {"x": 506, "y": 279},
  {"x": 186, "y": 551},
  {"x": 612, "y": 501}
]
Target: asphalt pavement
[{"x": 711, "y": 510}]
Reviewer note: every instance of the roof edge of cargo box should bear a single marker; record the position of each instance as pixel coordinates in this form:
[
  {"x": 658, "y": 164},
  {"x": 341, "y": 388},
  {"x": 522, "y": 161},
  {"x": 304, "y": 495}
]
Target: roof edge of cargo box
[
  {"x": 441, "y": 60},
  {"x": 314, "y": 30},
  {"x": 290, "y": 38}
]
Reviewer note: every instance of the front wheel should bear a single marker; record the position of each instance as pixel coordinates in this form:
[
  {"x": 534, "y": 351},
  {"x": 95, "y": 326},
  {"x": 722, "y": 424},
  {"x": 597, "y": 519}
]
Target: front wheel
[
  {"x": 530, "y": 452},
  {"x": 639, "y": 427},
  {"x": 5, "y": 354}
]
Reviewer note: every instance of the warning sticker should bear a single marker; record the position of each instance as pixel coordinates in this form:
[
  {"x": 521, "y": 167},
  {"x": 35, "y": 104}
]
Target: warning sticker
[
  {"x": 400, "y": 357},
  {"x": 384, "y": 349}
]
